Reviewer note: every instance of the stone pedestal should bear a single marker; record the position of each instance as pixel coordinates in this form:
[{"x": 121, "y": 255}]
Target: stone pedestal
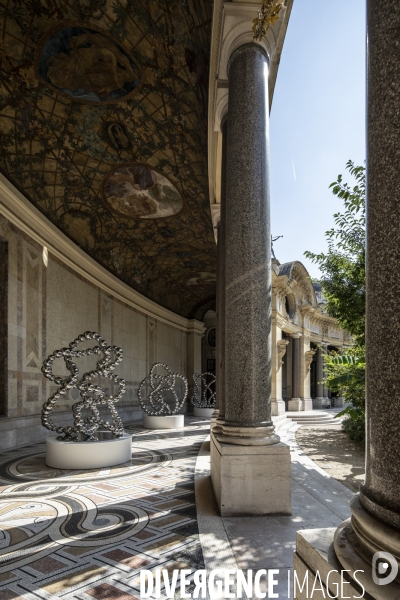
[
  {"x": 277, "y": 407},
  {"x": 318, "y": 403},
  {"x": 163, "y": 422},
  {"x": 61, "y": 454},
  {"x": 338, "y": 402},
  {"x": 205, "y": 413},
  {"x": 295, "y": 404},
  {"x": 251, "y": 480},
  {"x": 315, "y": 554}
]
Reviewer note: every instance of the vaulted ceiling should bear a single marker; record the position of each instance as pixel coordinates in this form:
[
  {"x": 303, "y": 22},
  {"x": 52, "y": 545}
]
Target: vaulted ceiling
[{"x": 103, "y": 127}]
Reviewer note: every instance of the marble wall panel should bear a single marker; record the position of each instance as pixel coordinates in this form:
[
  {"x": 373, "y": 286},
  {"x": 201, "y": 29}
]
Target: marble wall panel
[{"x": 49, "y": 306}]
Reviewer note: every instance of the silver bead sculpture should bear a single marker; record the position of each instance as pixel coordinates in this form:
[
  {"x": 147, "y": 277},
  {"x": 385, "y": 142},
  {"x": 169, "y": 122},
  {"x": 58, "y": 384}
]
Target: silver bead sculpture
[
  {"x": 208, "y": 397},
  {"x": 92, "y": 395},
  {"x": 161, "y": 386}
]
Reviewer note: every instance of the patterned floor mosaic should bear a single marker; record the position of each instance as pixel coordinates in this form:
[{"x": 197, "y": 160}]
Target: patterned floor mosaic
[{"x": 87, "y": 534}]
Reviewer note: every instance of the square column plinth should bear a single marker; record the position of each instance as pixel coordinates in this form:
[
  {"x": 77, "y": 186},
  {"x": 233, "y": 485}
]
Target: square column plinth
[{"x": 251, "y": 480}]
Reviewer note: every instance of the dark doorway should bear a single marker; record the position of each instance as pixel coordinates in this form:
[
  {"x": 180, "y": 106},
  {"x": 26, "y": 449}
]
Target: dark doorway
[{"x": 313, "y": 373}]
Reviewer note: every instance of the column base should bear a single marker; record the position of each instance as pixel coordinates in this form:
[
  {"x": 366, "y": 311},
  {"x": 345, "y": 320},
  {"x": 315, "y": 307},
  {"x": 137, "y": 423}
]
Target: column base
[
  {"x": 307, "y": 404},
  {"x": 248, "y": 436},
  {"x": 219, "y": 423},
  {"x": 251, "y": 480},
  {"x": 318, "y": 402},
  {"x": 277, "y": 407},
  {"x": 214, "y": 418},
  {"x": 295, "y": 404}
]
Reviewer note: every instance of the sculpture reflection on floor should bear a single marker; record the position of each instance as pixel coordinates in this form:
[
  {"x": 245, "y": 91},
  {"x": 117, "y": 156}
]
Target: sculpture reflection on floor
[
  {"x": 205, "y": 381},
  {"x": 162, "y": 392},
  {"x": 92, "y": 395}
]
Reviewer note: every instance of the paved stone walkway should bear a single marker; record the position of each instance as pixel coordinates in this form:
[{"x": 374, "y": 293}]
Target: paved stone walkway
[{"x": 86, "y": 534}]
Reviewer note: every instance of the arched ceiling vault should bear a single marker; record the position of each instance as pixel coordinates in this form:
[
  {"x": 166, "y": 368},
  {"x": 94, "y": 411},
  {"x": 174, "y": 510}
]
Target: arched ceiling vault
[{"x": 103, "y": 127}]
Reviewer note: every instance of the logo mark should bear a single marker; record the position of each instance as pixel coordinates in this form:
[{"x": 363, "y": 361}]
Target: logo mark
[{"x": 384, "y": 568}]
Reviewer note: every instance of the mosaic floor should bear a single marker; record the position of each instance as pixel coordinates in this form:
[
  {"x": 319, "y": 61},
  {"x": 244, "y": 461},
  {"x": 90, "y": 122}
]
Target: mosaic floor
[{"x": 87, "y": 534}]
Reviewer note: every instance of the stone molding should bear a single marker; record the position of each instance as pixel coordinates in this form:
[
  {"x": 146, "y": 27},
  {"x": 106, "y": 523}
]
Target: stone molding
[
  {"x": 308, "y": 358},
  {"x": 21, "y": 213}
]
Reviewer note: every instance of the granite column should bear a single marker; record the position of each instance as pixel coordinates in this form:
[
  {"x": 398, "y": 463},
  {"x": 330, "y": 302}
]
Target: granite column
[
  {"x": 248, "y": 286},
  {"x": 375, "y": 522},
  {"x": 221, "y": 260},
  {"x": 250, "y": 467}
]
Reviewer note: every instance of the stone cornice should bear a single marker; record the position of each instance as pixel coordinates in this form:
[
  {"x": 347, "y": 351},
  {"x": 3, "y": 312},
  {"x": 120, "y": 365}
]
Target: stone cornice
[{"x": 19, "y": 211}]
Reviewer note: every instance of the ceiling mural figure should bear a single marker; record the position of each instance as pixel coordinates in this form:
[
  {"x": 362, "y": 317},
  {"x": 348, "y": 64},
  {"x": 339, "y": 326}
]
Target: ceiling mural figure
[
  {"x": 104, "y": 129},
  {"x": 117, "y": 135},
  {"x": 136, "y": 191},
  {"x": 87, "y": 65}
]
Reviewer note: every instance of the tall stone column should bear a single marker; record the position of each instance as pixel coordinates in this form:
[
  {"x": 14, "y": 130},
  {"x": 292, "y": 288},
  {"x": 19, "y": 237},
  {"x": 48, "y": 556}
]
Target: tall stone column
[
  {"x": 318, "y": 402},
  {"x": 248, "y": 253},
  {"x": 295, "y": 403},
  {"x": 221, "y": 251},
  {"x": 241, "y": 478},
  {"x": 368, "y": 544},
  {"x": 218, "y": 350},
  {"x": 375, "y": 522}
]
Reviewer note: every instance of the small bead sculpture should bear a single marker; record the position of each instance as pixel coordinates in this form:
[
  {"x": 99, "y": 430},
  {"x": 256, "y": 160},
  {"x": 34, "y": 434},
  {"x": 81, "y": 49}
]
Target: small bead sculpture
[
  {"x": 160, "y": 386},
  {"x": 92, "y": 395},
  {"x": 208, "y": 398}
]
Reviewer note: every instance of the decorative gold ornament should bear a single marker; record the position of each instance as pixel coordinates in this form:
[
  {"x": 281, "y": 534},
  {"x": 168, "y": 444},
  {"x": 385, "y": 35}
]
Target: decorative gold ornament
[{"x": 267, "y": 16}]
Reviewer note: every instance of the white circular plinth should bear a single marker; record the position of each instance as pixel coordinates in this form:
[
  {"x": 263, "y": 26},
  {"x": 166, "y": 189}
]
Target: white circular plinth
[
  {"x": 88, "y": 455},
  {"x": 163, "y": 422},
  {"x": 206, "y": 413}
]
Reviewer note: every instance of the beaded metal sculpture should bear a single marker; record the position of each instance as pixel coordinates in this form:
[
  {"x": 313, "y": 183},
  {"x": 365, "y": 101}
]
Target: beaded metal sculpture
[
  {"x": 161, "y": 386},
  {"x": 92, "y": 395},
  {"x": 208, "y": 397}
]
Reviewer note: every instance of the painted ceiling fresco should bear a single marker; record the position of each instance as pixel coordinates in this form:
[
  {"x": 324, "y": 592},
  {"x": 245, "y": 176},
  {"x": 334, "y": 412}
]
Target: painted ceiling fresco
[{"x": 103, "y": 128}]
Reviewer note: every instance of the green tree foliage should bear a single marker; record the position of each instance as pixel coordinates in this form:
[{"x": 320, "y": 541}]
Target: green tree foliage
[
  {"x": 343, "y": 266},
  {"x": 343, "y": 287},
  {"x": 345, "y": 374}
]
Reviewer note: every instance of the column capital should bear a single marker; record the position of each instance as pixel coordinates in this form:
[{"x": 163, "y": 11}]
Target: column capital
[
  {"x": 232, "y": 27},
  {"x": 249, "y": 47},
  {"x": 296, "y": 335}
]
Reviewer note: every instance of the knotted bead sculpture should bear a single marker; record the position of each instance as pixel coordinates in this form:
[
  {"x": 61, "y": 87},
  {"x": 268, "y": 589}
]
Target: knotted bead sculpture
[
  {"x": 92, "y": 395},
  {"x": 161, "y": 385},
  {"x": 205, "y": 381}
]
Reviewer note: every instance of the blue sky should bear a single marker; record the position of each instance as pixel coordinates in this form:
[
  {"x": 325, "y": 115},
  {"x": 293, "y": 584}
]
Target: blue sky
[{"x": 317, "y": 121}]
